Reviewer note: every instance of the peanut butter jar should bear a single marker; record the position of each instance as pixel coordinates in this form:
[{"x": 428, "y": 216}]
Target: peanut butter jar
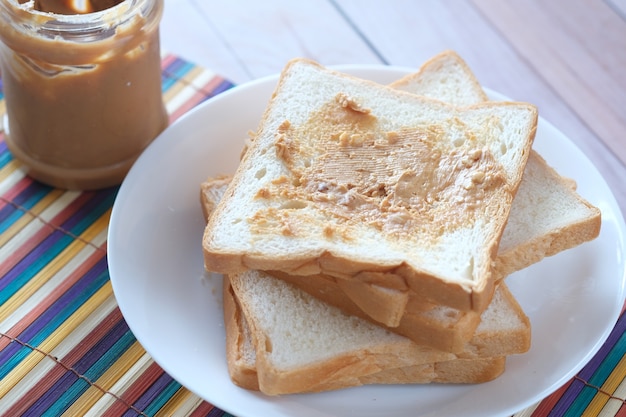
[{"x": 82, "y": 87}]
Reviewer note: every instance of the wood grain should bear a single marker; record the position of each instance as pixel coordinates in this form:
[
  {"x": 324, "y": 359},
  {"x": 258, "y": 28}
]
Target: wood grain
[
  {"x": 263, "y": 36},
  {"x": 408, "y": 33},
  {"x": 187, "y": 32},
  {"x": 579, "y": 48},
  {"x": 619, "y": 6}
]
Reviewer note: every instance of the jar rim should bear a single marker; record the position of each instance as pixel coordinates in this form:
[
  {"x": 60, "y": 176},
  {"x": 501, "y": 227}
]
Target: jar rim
[
  {"x": 57, "y": 22},
  {"x": 76, "y": 39}
]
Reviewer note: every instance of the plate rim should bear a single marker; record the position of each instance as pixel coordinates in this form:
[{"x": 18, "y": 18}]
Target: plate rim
[{"x": 162, "y": 141}]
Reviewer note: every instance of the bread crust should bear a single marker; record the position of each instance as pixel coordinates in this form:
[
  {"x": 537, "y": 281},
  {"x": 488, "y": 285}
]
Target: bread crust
[
  {"x": 559, "y": 238},
  {"x": 384, "y": 366},
  {"x": 242, "y": 372},
  {"x": 422, "y": 328},
  {"x": 449, "y": 58}
]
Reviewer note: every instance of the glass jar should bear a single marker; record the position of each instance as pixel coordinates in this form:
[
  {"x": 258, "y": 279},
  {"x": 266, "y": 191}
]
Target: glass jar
[{"x": 82, "y": 91}]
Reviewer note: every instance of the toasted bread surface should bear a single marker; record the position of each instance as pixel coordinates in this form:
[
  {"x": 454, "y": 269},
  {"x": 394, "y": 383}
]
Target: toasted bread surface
[{"x": 311, "y": 193}]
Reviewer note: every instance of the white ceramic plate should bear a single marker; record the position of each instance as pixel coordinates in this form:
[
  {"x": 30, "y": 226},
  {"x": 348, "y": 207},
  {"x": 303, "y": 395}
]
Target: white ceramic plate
[{"x": 174, "y": 308}]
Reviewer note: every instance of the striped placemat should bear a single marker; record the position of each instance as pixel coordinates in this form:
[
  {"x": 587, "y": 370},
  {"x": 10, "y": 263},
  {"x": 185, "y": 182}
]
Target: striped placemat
[
  {"x": 65, "y": 348},
  {"x": 599, "y": 389}
]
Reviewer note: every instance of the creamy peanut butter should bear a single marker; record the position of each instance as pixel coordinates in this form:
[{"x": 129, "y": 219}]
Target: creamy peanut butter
[
  {"x": 81, "y": 104},
  {"x": 401, "y": 182}
]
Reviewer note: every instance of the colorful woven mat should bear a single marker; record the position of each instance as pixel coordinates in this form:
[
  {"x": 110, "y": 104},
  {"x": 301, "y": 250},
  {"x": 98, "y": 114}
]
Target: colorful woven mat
[{"x": 65, "y": 348}]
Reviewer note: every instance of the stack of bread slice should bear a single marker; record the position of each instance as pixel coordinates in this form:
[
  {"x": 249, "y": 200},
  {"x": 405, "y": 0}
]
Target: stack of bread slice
[{"x": 367, "y": 232}]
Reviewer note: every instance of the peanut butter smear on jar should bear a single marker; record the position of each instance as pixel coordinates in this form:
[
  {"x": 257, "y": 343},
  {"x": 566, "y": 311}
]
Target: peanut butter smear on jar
[
  {"x": 82, "y": 90},
  {"x": 73, "y": 6}
]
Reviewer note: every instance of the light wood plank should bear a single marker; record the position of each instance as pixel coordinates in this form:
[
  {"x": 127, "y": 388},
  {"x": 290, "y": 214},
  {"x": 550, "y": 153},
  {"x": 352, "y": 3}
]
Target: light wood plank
[
  {"x": 265, "y": 35},
  {"x": 579, "y": 48},
  {"x": 619, "y": 6},
  {"x": 186, "y": 33},
  {"x": 408, "y": 33}
]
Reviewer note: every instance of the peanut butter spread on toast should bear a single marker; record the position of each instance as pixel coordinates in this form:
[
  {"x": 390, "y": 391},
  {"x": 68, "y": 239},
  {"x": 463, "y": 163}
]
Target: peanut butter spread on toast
[{"x": 405, "y": 182}]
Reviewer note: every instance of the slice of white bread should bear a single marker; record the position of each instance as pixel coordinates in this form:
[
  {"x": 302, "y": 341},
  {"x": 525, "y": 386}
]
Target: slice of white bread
[
  {"x": 438, "y": 327},
  {"x": 281, "y": 340},
  {"x": 527, "y": 235},
  {"x": 330, "y": 185},
  {"x": 548, "y": 215}
]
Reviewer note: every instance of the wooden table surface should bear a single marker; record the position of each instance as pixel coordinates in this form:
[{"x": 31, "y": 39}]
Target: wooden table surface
[{"x": 568, "y": 57}]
